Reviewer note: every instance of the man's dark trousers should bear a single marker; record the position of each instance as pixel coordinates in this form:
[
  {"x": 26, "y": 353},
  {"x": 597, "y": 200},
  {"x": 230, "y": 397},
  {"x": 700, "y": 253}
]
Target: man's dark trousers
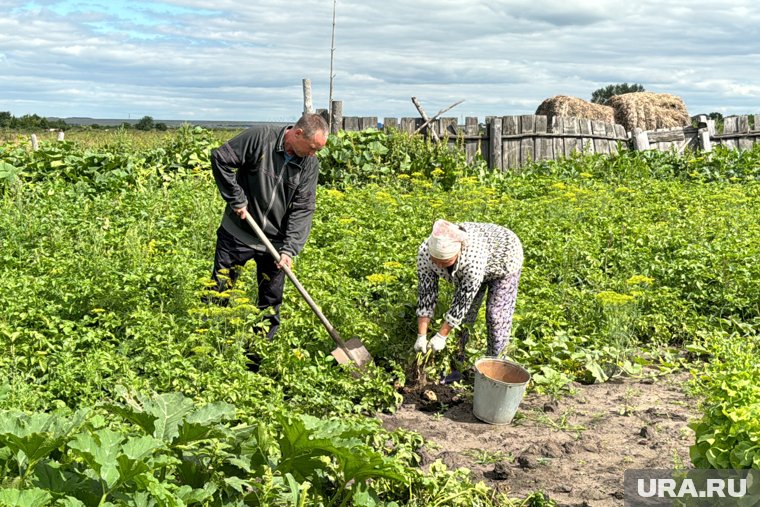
[{"x": 231, "y": 253}]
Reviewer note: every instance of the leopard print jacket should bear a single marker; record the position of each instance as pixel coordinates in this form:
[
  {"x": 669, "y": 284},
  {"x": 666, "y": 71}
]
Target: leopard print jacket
[{"x": 489, "y": 252}]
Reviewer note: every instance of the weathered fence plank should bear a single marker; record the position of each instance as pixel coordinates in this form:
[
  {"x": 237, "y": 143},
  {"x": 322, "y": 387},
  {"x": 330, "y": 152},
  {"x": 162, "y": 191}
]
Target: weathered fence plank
[
  {"x": 527, "y": 144},
  {"x": 730, "y": 126},
  {"x": 587, "y": 142},
  {"x": 574, "y": 143},
  {"x": 390, "y": 123},
  {"x": 471, "y": 146},
  {"x": 367, "y": 122},
  {"x": 497, "y": 163},
  {"x": 408, "y": 125},
  {"x": 351, "y": 123},
  {"x": 544, "y": 145},
  {"x": 511, "y": 125},
  {"x": 558, "y": 127}
]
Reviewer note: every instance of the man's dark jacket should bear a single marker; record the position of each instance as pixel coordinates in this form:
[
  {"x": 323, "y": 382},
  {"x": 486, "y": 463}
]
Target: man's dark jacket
[{"x": 251, "y": 170}]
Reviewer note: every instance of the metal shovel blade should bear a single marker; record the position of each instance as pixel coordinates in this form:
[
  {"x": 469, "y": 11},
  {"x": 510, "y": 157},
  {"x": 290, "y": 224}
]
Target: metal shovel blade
[{"x": 354, "y": 352}]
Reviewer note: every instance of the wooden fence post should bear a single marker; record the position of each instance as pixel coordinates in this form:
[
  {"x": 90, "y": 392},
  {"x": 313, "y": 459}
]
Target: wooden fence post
[
  {"x": 495, "y": 160},
  {"x": 35, "y": 144},
  {"x": 704, "y": 139},
  {"x": 336, "y": 116},
  {"x": 307, "y": 107},
  {"x": 640, "y": 140},
  {"x": 61, "y": 135}
]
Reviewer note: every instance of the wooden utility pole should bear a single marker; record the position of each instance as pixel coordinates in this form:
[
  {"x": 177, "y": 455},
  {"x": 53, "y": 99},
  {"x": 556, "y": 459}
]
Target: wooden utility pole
[{"x": 332, "y": 57}]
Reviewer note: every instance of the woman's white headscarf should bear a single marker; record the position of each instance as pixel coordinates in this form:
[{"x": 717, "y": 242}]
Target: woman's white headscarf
[{"x": 446, "y": 240}]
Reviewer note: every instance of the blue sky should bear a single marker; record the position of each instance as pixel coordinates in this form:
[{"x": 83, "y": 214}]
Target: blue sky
[{"x": 225, "y": 60}]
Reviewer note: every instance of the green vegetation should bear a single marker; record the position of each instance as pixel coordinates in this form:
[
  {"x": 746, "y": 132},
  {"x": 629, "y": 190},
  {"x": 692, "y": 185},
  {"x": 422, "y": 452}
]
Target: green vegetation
[
  {"x": 28, "y": 122},
  {"x": 602, "y": 95},
  {"x": 122, "y": 387}
]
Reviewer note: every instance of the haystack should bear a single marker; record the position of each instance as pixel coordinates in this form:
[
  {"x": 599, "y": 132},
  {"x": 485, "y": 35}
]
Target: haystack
[
  {"x": 562, "y": 105},
  {"x": 649, "y": 111}
]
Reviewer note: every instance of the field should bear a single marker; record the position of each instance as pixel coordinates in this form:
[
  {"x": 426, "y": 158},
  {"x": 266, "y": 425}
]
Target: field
[{"x": 122, "y": 387}]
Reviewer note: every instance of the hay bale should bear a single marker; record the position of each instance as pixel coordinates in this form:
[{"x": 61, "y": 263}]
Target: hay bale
[
  {"x": 649, "y": 111},
  {"x": 562, "y": 105}
]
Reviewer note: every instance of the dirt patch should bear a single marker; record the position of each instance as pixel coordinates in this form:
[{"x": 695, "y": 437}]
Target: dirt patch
[{"x": 575, "y": 449}]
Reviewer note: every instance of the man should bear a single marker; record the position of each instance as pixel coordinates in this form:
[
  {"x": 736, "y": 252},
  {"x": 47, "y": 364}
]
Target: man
[
  {"x": 476, "y": 258},
  {"x": 269, "y": 173}
]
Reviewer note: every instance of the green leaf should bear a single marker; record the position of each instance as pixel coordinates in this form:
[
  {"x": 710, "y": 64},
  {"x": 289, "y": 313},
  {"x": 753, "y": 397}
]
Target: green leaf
[
  {"x": 200, "y": 424},
  {"x": 100, "y": 450},
  {"x": 160, "y": 415},
  {"x": 37, "y": 435},
  {"x": 34, "y": 497},
  {"x": 8, "y": 171}
]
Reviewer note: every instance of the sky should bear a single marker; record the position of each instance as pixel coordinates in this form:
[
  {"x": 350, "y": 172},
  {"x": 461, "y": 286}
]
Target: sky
[{"x": 245, "y": 61}]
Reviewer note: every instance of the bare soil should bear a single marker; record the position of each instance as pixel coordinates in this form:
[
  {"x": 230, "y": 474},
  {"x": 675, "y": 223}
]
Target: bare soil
[{"x": 574, "y": 449}]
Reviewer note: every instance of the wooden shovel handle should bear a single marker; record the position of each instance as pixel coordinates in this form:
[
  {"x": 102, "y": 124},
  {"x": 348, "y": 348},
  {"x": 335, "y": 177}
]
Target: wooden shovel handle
[{"x": 274, "y": 253}]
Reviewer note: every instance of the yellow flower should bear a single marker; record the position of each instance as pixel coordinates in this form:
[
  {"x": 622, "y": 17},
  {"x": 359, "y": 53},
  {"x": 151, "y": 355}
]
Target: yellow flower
[
  {"x": 613, "y": 298},
  {"x": 392, "y": 265},
  {"x": 586, "y": 175},
  {"x": 639, "y": 280},
  {"x": 437, "y": 172},
  {"x": 380, "y": 278}
]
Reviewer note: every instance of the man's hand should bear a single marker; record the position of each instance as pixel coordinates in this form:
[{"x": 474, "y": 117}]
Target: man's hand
[
  {"x": 438, "y": 342},
  {"x": 421, "y": 344},
  {"x": 285, "y": 260},
  {"x": 241, "y": 212}
]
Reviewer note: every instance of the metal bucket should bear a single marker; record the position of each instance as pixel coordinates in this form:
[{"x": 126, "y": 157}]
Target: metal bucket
[{"x": 499, "y": 389}]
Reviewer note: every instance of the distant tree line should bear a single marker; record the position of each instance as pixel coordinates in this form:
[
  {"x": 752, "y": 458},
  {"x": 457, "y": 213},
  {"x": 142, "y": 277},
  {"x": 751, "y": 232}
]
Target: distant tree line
[
  {"x": 29, "y": 122},
  {"x": 36, "y": 122}
]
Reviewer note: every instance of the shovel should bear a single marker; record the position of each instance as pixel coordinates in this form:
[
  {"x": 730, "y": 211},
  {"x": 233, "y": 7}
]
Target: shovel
[{"x": 351, "y": 351}]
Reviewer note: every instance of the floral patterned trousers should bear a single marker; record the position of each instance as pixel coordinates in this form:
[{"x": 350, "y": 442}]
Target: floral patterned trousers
[{"x": 500, "y": 307}]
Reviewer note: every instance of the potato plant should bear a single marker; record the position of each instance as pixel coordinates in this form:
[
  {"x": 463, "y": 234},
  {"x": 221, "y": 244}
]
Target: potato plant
[{"x": 107, "y": 250}]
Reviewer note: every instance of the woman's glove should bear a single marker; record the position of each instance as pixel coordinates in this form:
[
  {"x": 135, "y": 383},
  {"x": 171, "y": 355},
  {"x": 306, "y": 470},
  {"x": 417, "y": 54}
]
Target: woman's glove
[
  {"x": 421, "y": 344},
  {"x": 438, "y": 342}
]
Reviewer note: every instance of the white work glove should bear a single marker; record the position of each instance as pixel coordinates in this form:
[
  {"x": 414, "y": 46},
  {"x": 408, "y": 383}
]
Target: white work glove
[
  {"x": 421, "y": 344},
  {"x": 438, "y": 342}
]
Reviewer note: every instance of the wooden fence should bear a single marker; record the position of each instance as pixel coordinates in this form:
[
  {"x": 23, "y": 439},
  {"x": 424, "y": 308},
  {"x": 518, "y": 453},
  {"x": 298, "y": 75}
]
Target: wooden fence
[{"x": 510, "y": 142}]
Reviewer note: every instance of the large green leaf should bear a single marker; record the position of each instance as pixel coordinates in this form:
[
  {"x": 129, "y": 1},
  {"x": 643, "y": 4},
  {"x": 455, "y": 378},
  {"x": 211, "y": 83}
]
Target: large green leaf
[
  {"x": 34, "y": 497},
  {"x": 306, "y": 439},
  {"x": 100, "y": 450},
  {"x": 172, "y": 417},
  {"x": 37, "y": 435},
  {"x": 203, "y": 423}
]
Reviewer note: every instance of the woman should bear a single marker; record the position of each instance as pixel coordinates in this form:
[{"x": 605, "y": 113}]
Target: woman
[{"x": 475, "y": 257}]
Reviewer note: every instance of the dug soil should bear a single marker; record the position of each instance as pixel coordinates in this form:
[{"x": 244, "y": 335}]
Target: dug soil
[{"x": 574, "y": 449}]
